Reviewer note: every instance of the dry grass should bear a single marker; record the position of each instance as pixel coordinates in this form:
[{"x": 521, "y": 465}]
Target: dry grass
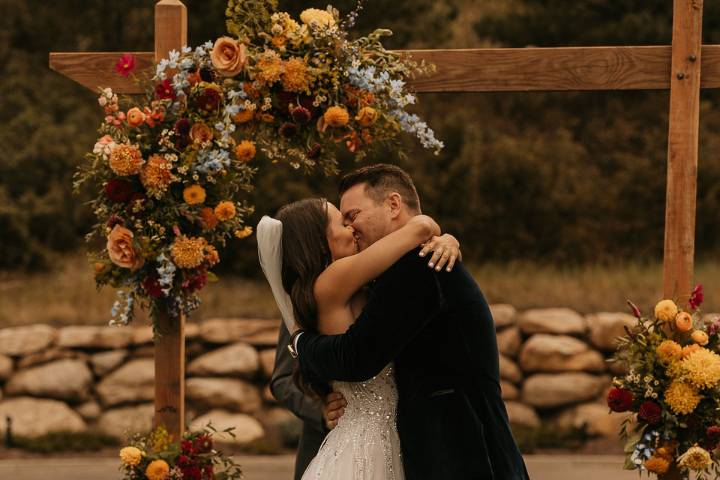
[{"x": 68, "y": 296}]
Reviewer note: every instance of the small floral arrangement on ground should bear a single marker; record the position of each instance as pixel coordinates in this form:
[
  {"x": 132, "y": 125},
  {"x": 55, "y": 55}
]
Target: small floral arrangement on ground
[
  {"x": 673, "y": 388},
  {"x": 170, "y": 168},
  {"x": 156, "y": 457}
]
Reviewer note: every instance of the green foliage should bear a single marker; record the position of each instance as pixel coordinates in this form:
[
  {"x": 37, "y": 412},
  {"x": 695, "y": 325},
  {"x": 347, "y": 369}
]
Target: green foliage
[
  {"x": 548, "y": 436},
  {"x": 56, "y": 442}
]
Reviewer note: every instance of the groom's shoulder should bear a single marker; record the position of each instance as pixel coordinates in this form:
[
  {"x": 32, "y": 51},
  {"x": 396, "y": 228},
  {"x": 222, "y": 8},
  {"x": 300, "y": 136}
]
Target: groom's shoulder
[{"x": 410, "y": 263}]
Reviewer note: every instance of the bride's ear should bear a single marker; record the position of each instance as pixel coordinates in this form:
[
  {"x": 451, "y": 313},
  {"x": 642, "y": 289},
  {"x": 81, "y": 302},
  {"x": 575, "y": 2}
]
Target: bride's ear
[{"x": 395, "y": 204}]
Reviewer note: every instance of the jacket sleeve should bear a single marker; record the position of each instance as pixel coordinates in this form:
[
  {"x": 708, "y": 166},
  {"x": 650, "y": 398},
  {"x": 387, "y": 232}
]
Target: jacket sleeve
[
  {"x": 286, "y": 392},
  {"x": 404, "y": 299}
]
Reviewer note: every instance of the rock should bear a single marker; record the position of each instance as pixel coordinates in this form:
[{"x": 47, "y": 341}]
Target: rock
[
  {"x": 509, "y": 370},
  {"x": 246, "y": 429},
  {"x": 192, "y": 331},
  {"x": 522, "y": 415},
  {"x": 509, "y": 341},
  {"x": 64, "y": 380},
  {"x": 503, "y": 315},
  {"x": 125, "y": 421},
  {"x": 194, "y": 349},
  {"x": 225, "y": 393},
  {"x": 552, "y": 320},
  {"x": 255, "y": 332},
  {"x": 509, "y": 391},
  {"x": 105, "y": 362},
  {"x": 49, "y": 355},
  {"x": 594, "y": 417},
  {"x": 144, "y": 351},
  {"x": 85, "y": 336},
  {"x": 133, "y": 382},
  {"x": 267, "y": 361},
  {"x": 6, "y": 367},
  {"x": 559, "y": 353},
  {"x": 545, "y": 390},
  {"x": 32, "y": 417},
  {"x": 267, "y": 395},
  {"x": 89, "y": 411},
  {"x": 142, "y": 335},
  {"x": 239, "y": 359},
  {"x": 17, "y": 341},
  {"x": 275, "y": 418},
  {"x": 606, "y": 327}
]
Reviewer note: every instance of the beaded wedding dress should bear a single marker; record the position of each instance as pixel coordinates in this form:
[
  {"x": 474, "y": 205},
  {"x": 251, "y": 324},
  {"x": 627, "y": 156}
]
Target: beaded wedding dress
[{"x": 365, "y": 444}]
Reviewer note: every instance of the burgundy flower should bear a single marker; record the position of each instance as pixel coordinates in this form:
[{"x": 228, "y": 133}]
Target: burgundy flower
[
  {"x": 164, "y": 90},
  {"x": 184, "y": 459},
  {"x": 650, "y": 412},
  {"x": 284, "y": 99},
  {"x": 152, "y": 286},
  {"x": 208, "y": 471},
  {"x": 635, "y": 309},
  {"x": 137, "y": 197},
  {"x": 712, "y": 437},
  {"x": 203, "y": 443},
  {"x": 119, "y": 190},
  {"x": 115, "y": 220},
  {"x": 301, "y": 114},
  {"x": 288, "y": 129},
  {"x": 196, "y": 282},
  {"x": 619, "y": 399},
  {"x": 192, "y": 472},
  {"x": 208, "y": 100},
  {"x": 182, "y": 133},
  {"x": 125, "y": 64},
  {"x": 314, "y": 152},
  {"x": 697, "y": 297},
  {"x": 186, "y": 446}
]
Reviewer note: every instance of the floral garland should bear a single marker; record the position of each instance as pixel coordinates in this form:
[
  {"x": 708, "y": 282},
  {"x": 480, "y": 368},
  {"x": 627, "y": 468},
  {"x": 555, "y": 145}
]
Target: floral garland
[
  {"x": 673, "y": 388},
  {"x": 171, "y": 169}
]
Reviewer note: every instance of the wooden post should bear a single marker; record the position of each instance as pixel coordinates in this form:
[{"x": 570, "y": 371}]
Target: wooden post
[
  {"x": 682, "y": 149},
  {"x": 170, "y": 34}
]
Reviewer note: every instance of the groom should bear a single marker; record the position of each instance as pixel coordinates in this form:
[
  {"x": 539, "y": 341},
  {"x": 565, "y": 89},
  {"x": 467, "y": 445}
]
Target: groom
[{"x": 438, "y": 330}]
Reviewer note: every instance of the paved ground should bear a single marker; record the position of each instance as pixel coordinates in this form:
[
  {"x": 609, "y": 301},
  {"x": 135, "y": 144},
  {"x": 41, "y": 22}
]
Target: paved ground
[{"x": 541, "y": 467}]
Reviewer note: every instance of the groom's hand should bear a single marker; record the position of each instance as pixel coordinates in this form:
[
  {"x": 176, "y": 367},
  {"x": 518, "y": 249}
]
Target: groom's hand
[{"x": 333, "y": 408}]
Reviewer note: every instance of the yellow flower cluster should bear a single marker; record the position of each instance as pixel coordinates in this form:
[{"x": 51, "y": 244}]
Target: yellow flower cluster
[
  {"x": 157, "y": 470},
  {"x": 126, "y": 160},
  {"x": 696, "y": 458},
  {"x": 316, "y": 18},
  {"x": 156, "y": 175},
  {"x": 270, "y": 67},
  {"x": 669, "y": 351},
  {"x": 702, "y": 368},
  {"x": 666, "y": 310},
  {"x": 296, "y": 76},
  {"x": 131, "y": 456},
  {"x": 188, "y": 252},
  {"x": 681, "y": 397}
]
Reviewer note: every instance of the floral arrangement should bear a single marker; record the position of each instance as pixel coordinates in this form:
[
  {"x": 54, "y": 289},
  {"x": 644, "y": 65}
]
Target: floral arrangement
[
  {"x": 156, "y": 457},
  {"x": 672, "y": 388},
  {"x": 170, "y": 169}
]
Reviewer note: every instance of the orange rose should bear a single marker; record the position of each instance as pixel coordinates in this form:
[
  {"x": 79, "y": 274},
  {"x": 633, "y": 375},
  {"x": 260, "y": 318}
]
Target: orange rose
[
  {"x": 228, "y": 56},
  {"x": 200, "y": 133},
  {"x": 120, "y": 249},
  {"x": 683, "y": 322},
  {"x": 366, "y": 116},
  {"x": 135, "y": 117}
]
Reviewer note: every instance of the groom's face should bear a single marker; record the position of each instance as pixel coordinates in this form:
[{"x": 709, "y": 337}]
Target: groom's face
[{"x": 370, "y": 220}]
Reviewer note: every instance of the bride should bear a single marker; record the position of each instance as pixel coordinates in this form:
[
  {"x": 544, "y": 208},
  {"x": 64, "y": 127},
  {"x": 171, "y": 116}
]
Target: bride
[{"x": 319, "y": 280}]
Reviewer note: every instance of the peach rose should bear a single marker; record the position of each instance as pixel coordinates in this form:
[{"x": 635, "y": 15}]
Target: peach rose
[
  {"x": 683, "y": 322},
  {"x": 228, "y": 56},
  {"x": 120, "y": 249},
  {"x": 135, "y": 117},
  {"x": 200, "y": 133}
]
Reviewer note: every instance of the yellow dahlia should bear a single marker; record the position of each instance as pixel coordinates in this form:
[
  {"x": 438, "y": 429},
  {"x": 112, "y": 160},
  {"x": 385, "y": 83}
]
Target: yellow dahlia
[
  {"x": 188, "y": 252},
  {"x": 317, "y": 18},
  {"x": 270, "y": 67},
  {"x": 225, "y": 211},
  {"x": 296, "y": 77},
  {"x": 669, "y": 351},
  {"x": 126, "y": 160},
  {"x": 157, "y": 470},
  {"x": 682, "y": 397},
  {"x": 244, "y": 233},
  {"x": 657, "y": 464},
  {"x": 683, "y": 322},
  {"x": 703, "y": 368},
  {"x": 696, "y": 458},
  {"x": 366, "y": 116},
  {"x": 130, "y": 456},
  {"x": 245, "y": 150},
  {"x": 700, "y": 337},
  {"x": 666, "y": 310},
  {"x": 156, "y": 175},
  {"x": 336, "y": 117},
  {"x": 688, "y": 349},
  {"x": 194, "y": 194}
]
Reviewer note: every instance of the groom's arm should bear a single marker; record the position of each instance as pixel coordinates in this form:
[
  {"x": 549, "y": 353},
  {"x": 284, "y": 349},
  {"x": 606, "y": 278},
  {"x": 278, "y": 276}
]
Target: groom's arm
[{"x": 405, "y": 298}]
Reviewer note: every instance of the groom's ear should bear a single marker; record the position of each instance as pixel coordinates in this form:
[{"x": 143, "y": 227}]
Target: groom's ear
[{"x": 395, "y": 204}]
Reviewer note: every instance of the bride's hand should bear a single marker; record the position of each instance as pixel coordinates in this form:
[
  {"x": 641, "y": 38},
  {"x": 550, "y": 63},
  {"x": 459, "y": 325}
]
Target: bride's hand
[{"x": 446, "y": 250}]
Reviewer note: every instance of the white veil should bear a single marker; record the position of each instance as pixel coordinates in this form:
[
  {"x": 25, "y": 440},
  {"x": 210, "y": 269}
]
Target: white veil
[{"x": 269, "y": 238}]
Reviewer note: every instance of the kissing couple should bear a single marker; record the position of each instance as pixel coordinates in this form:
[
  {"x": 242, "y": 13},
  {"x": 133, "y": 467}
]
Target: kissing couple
[{"x": 408, "y": 345}]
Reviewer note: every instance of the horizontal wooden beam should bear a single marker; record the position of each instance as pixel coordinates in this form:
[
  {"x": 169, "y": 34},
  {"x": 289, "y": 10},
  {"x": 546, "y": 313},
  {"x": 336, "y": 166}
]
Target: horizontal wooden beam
[{"x": 473, "y": 70}]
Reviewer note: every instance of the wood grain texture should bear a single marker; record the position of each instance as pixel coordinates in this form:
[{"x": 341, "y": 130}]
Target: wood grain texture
[
  {"x": 96, "y": 70},
  {"x": 170, "y": 375},
  {"x": 684, "y": 123}
]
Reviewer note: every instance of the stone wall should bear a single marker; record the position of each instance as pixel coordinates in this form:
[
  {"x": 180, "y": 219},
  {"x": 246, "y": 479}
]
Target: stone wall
[{"x": 552, "y": 364}]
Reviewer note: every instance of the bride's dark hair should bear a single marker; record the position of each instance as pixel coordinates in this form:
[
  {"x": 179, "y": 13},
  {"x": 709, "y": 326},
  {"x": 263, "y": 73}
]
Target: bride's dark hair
[{"x": 305, "y": 254}]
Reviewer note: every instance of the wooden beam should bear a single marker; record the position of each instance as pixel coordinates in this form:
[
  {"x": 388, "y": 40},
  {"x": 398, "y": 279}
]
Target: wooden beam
[
  {"x": 170, "y": 34},
  {"x": 97, "y": 70},
  {"x": 682, "y": 149}
]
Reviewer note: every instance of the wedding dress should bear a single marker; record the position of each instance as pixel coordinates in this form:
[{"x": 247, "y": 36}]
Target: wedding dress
[{"x": 365, "y": 444}]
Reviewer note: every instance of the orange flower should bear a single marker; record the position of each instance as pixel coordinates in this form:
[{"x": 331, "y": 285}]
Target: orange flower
[
  {"x": 270, "y": 67},
  {"x": 157, "y": 174},
  {"x": 200, "y": 133},
  {"x": 126, "y": 160},
  {"x": 157, "y": 470},
  {"x": 212, "y": 257},
  {"x": 296, "y": 77},
  {"x": 367, "y": 116},
  {"x": 244, "y": 116},
  {"x": 245, "y": 151},
  {"x": 244, "y": 233},
  {"x": 135, "y": 117},
  {"x": 208, "y": 218},
  {"x": 228, "y": 56},
  {"x": 700, "y": 337},
  {"x": 266, "y": 117},
  {"x": 188, "y": 252},
  {"x": 120, "y": 248},
  {"x": 336, "y": 117},
  {"x": 690, "y": 349},
  {"x": 194, "y": 194},
  {"x": 683, "y": 322},
  {"x": 225, "y": 211}
]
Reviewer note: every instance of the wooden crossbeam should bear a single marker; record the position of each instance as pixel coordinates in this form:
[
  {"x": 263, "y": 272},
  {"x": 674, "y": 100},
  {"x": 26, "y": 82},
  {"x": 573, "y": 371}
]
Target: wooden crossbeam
[{"x": 470, "y": 70}]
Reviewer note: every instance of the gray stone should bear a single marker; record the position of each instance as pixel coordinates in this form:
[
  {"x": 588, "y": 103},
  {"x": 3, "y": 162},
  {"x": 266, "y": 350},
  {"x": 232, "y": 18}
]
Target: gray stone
[
  {"x": 131, "y": 383},
  {"x": 267, "y": 361},
  {"x": 503, "y": 315},
  {"x": 239, "y": 359},
  {"x": 594, "y": 417},
  {"x": 275, "y": 418},
  {"x": 255, "y": 332},
  {"x": 522, "y": 415},
  {"x": 33, "y": 417},
  {"x": 50, "y": 355},
  {"x": 6, "y": 367},
  {"x": 246, "y": 427},
  {"x": 559, "y": 353},
  {"x": 90, "y": 411},
  {"x": 606, "y": 327},
  {"x": 552, "y": 320},
  {"x": 509, "y": 391},
  {"x": 64, "y": 380},
  {"x": 17, "y": 341},
  {"x": 105, "y": 362},
  {"x": 509, "y": 370},
  {"x": 224, "y": 393},
  {"x": 126, "y": 421},
  {"x": 85, "y": 336},
  {"x": 546, "y": 390},
  {"x": 509, "y": 341}
]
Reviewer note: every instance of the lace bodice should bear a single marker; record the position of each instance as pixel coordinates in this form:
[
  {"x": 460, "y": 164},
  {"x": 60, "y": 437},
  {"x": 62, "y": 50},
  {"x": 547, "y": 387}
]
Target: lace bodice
[{"x": 376, "y": 397}]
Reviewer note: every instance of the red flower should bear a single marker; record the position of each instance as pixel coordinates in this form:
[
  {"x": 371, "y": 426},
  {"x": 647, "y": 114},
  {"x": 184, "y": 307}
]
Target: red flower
[
  {"x": 115, "y": 220},
  {"x": 712, "y": 437},
  {"x": 152, "y": 286},
  {"x": 184, "y": 459},
  {"x": 635, "y": 309},
  {"x": 186, "y": 446},
  {"x": 164, "y": 90},
  {"x": 125, "y": 64},
  {"x": 196, "y": 282},
  {"x": 203, "y": 443},
  {"x": 191, "y": 473},
  {"x": 182, "y": 133},
  {"x": 137, "y": 197},
  {"x": 301, "y": 114},
  {"x": 119, "y": 190},
  {"x": 697, "y": 297},
  {"x": 208, "y": 100},
  {"x": 619, "y": 399},
  {"x": 208, "y": 471},
  {"x": 650, "y": 412}
]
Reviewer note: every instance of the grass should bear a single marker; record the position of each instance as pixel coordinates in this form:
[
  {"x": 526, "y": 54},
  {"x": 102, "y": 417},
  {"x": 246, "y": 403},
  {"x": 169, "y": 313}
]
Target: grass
[
  {"x": 67, "y": 295},
  {"x": 55, "y": 442}
]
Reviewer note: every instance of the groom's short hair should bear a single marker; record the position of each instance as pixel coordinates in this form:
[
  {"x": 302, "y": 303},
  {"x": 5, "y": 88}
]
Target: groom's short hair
[{"x": 381, "y": 179}]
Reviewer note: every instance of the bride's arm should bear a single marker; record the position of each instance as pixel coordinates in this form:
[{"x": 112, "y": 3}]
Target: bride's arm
[{"x": 339, "y": 282}]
